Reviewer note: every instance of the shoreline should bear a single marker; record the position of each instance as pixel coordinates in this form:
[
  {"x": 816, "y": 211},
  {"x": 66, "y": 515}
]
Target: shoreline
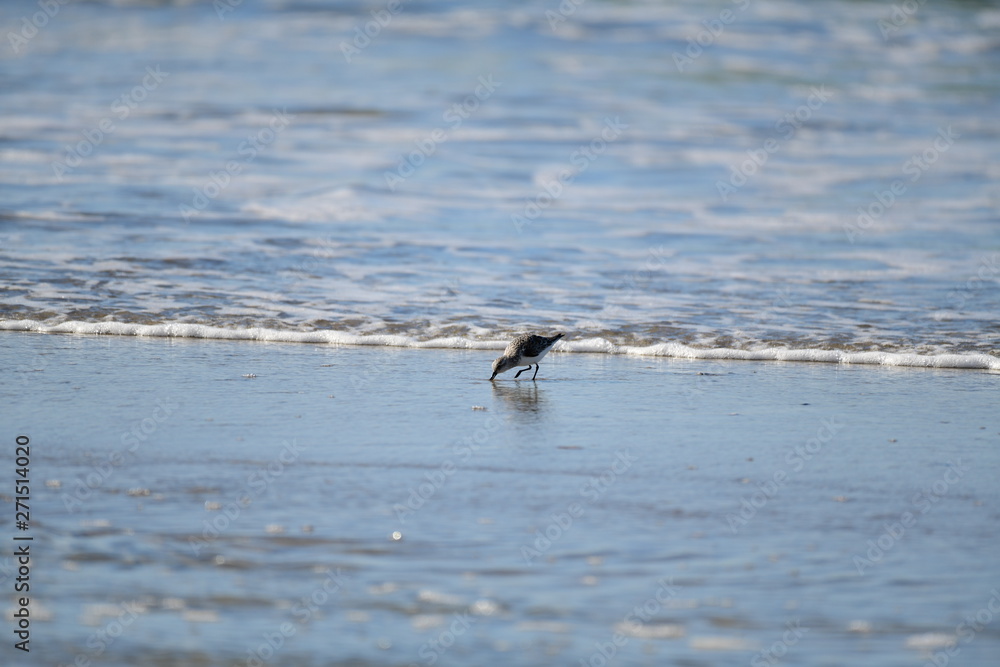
[
  {"x": 549, "y": 509},
  {"x": 667, "y": 350}
]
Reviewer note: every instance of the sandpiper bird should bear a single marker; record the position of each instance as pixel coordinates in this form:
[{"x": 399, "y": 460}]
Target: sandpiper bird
[{"x": 526, "y": 350}]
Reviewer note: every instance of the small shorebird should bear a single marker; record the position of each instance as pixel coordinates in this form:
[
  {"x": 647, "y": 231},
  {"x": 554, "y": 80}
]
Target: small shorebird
[{"x": 526, "y": 350}]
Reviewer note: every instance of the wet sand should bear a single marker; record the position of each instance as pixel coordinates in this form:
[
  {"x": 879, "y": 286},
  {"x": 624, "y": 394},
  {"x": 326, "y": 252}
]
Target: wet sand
[{"x": 240, "y": 503}]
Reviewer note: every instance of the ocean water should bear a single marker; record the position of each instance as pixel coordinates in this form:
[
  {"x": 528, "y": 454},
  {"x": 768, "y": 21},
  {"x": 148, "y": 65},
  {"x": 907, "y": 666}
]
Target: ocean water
[
  {"x": 748, "y": 179},
  {"x": 673, "y": 185}
]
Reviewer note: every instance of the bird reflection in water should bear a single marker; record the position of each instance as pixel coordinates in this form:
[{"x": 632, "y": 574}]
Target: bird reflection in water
[{"x": 522, "y": 397}]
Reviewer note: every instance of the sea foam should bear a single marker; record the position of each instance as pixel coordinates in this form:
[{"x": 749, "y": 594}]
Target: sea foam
[{"x": 593, "y": 345}]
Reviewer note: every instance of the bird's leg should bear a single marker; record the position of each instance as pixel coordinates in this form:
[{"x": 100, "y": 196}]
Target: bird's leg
[
  {"x": 536, "y": 373},
  {"x": 522, "y": 370}
]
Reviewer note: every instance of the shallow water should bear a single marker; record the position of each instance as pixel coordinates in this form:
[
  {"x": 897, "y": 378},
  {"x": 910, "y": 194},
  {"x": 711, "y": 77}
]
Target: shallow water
[
  {"x": 214, "y": 488},
  {"x": 253, "y": 171}
]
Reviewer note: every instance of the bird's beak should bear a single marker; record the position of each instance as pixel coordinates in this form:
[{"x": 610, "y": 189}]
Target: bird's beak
[{"x": 492, "y": 376}]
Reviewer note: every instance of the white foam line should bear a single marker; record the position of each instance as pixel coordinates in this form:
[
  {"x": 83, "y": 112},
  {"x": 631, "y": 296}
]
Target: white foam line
[
  {"x": 179, "y": 330},
  {"x": 591, "y": 345},
  {"x": 677, "y": 350}
]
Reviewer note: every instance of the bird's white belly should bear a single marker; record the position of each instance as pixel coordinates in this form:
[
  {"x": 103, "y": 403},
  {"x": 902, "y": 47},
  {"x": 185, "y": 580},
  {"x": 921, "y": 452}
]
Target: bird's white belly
[{"x": 528, "y": 361}]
